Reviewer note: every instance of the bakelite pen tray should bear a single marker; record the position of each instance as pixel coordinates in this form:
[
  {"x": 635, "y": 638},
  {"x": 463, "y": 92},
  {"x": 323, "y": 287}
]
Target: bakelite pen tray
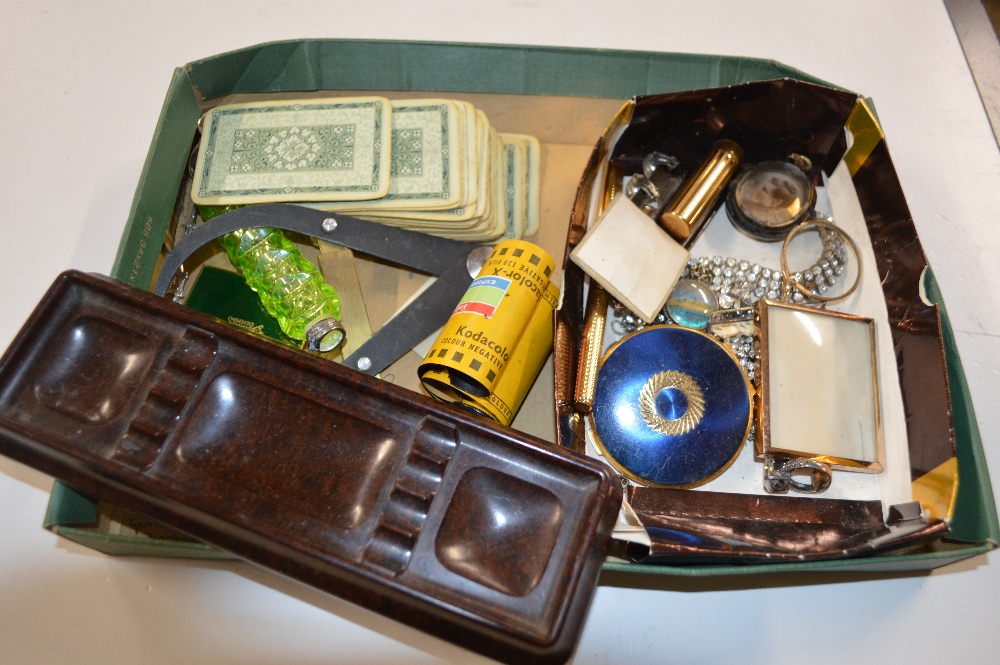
[{"x": 483, "y": 536}]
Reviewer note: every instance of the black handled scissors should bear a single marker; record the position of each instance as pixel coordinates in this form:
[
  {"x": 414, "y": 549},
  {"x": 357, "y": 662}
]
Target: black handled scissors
[{"x": 455, "y": 263}]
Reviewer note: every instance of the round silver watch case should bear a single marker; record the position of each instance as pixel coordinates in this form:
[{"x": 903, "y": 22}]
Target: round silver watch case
[{"x": 767, "y": 200}]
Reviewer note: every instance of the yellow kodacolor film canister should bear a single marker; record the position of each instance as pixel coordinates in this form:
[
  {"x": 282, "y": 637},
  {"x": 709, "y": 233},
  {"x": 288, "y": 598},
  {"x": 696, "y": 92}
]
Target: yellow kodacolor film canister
[{"x": 495, "y": 342}]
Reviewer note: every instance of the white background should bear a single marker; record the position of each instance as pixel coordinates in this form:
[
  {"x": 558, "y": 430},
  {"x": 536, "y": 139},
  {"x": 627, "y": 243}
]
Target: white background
[{"x": 81, "y": 85}]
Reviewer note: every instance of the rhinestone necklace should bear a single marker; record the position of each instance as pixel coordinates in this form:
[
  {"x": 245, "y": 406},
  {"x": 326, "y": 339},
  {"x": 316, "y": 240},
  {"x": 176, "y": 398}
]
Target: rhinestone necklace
[{"x": 738, "y": 283}]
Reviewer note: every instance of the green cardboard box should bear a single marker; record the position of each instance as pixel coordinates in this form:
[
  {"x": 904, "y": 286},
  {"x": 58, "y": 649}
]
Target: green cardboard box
[{"x": 563, "y": 96}]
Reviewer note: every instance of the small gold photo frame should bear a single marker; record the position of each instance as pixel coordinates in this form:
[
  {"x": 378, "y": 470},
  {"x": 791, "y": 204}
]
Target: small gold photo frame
[{"x": 819, "y": 393}]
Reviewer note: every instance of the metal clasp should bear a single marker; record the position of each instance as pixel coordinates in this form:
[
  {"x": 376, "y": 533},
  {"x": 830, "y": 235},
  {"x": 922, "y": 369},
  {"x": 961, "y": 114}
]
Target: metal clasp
[{"x": 778, "y": 475}]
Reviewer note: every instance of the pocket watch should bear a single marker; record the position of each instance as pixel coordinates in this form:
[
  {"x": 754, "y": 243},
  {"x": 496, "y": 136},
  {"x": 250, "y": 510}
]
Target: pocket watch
[{"x": 767, "y": 200}]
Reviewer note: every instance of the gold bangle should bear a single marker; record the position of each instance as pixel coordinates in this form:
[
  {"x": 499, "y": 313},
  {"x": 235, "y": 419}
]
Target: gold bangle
[{"x": 812, "y": 295}]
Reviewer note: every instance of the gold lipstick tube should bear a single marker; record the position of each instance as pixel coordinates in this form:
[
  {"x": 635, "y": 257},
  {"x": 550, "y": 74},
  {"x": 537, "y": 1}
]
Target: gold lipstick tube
[{"x": 688, "y": 211}]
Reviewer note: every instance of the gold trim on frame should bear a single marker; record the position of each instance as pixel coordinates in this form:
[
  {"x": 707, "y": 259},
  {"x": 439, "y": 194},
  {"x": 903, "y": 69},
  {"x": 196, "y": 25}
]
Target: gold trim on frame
[{"x": 762, "y": 412}]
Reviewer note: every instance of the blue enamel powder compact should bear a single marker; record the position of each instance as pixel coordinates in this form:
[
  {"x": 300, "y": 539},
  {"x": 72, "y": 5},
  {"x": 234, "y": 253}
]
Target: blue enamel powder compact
[{"x": 672, "y": 407}]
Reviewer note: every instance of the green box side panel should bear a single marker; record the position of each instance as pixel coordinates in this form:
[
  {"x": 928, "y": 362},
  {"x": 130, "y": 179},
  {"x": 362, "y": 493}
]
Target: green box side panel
[
  {"x": 159, "y": 183},
  {"x": 899, "y": 563},
  {"x": 118, "y": 545},
  {"x": 975, "y": 509},
  {"x": 871, "y": 105},
  {"x": 70, "y": 514},
  {"x": 396, "y": 65},
  {"x": 67, "y": 506}
]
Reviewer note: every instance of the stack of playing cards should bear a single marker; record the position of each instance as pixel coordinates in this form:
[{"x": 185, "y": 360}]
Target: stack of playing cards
[{"x": 431, "y": 165}]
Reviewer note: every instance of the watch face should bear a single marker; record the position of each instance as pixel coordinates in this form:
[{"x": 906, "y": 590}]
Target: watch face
[{"x": 770, "y": 198}]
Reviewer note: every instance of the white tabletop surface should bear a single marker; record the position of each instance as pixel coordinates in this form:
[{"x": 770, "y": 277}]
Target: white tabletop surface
[{"x": 81, "y": 86}]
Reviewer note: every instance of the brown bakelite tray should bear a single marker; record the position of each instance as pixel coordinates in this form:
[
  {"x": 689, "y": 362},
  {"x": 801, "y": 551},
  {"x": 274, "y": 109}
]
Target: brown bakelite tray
[{"x": 483, "y": 536}]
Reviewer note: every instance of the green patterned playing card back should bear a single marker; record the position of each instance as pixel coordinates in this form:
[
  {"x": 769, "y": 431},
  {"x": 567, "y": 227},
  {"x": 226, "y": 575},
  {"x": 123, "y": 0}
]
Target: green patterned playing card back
[
  {"x": 426, "y": 170},
  {"x": 335, "y": 149}
]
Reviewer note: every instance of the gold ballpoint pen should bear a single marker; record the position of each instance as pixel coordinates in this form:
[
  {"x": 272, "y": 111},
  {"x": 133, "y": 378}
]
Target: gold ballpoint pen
[{"x": 592, "y": 338}]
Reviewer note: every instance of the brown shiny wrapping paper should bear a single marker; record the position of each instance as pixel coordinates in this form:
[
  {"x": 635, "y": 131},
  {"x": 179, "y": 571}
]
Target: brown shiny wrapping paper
[
  {"x": 704, "y": 527},
  {"x": 770, "y": 120}
]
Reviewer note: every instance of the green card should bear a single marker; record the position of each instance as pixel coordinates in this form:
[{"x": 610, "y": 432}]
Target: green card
[
  {"x": 427, "y": 164},
  {"x": 335, "y": 149},
  {"x": 226, "y": 296}
]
